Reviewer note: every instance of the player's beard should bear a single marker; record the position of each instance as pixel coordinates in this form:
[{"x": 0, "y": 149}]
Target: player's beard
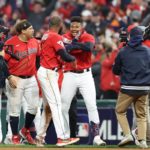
[{"x": 60, "y": 31}]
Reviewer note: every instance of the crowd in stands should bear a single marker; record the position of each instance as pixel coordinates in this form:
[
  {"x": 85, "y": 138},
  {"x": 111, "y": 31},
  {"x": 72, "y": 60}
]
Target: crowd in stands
[{"x": 102, "y": 18}]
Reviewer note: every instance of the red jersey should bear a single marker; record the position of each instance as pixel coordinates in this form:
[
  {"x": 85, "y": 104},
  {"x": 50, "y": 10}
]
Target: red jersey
[
  {"x": 109, "y": 81},
  {"x": 147, "y": 43},
  {"x": 51, "y": 43},
  {"x": 26, "y": 52},
  {"x": 83, "y": 58}
]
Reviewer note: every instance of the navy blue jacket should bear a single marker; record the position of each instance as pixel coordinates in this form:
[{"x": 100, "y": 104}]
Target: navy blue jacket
[
  {"x": 3, "y": 72},
  {"x": 133, "y": 65}
]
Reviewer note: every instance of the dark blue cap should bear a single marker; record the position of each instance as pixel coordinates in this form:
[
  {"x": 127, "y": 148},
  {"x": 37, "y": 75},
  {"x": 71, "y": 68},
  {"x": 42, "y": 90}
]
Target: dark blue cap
[{"x": 136, "y": 32}]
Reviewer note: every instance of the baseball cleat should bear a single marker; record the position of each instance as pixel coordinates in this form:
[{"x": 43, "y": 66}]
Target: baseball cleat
[
  {"x": 16, "y": 140},
  {"x": 126, "y": 140},
  {"x": 25, "y": 133},
  {"x": 8, "y": 140},
  {"x": 40, "y": 142},
  {"x": 64, "y": 142},
  {"x": 73, "y": 140},
  {"x": 98, "y": 141}
]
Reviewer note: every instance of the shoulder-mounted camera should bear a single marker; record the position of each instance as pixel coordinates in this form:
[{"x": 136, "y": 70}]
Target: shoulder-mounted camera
[
  {"x": 146, "y": 35},
  {"x": 4, "y": 30}
]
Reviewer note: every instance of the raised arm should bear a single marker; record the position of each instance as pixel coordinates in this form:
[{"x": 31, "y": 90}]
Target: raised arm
[
  {"x": 26, "y": 4},
  {"x": 50, "y": 7}
]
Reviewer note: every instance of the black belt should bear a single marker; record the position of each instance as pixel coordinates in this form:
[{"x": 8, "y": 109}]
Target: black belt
[
  {"x": 55, "y": 69},
  {"x": 25, "y": 77},
  {"x": 79, "y": 71}
]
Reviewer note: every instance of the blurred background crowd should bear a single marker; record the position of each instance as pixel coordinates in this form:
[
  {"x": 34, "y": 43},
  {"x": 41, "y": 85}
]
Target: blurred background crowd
[{"x": 102, "y": 18}]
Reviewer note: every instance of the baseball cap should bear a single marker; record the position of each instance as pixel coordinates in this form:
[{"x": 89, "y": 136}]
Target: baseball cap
[
  {"x": 136, "y": 31},
  {"x": 136, "y": 37}
]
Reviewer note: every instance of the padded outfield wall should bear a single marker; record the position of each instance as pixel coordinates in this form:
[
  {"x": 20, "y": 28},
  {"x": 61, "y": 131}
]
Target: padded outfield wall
[{"x": 110, "y": 130}]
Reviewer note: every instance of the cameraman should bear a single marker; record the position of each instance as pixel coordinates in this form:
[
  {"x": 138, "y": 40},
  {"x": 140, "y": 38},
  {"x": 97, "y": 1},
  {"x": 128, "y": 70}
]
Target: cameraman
[
  {"x": 146, "y": 41},
  {"x": 132, "y": 64}
]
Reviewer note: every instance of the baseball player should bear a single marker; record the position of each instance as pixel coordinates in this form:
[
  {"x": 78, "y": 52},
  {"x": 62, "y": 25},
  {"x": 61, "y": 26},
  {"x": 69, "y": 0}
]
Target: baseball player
[
  {"x": 52, "y": 51},
  {"x": 80, "y": 45},
  {"x": 21, "y": 80}
]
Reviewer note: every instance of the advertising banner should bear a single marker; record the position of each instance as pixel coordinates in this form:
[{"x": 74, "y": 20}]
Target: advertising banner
[{"x": 110, "y": 130}]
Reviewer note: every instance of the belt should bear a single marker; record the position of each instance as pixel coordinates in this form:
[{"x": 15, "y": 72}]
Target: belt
[
  {"x": 55, "y": 69},
  {"x": 25, "y": 77},
  {"x": 79, "y": 71}
]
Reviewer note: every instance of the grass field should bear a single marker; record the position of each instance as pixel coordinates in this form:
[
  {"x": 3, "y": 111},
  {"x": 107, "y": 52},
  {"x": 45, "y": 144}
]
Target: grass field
[{"x": 71, "y": 147}]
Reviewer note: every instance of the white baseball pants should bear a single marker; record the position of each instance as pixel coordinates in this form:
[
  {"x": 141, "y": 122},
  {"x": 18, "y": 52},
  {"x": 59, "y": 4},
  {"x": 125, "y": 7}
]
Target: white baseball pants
[
  {"x": 85, "y": 83},
  {"x": 27, "y": 88},
  {"x": 49, "y": 83}
]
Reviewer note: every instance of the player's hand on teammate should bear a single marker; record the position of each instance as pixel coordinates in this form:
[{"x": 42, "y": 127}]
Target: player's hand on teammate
[{"x": 13, "y": 81}]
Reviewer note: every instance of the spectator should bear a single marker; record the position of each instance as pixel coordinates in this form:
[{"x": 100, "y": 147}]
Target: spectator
[
  {"x": 37, "y": 15},
  {"x": 110, "y": 83}
]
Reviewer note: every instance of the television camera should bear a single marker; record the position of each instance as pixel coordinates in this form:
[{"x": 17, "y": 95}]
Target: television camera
[{"x": 3, "y": 37}]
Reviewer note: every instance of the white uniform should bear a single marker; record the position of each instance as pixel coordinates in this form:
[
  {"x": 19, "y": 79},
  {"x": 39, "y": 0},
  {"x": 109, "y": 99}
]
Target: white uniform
[
  {"x": 49, "y": 82},
  {"x": 26, "y": 88}
]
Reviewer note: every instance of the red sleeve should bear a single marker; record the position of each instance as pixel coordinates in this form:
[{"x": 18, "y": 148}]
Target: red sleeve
[
  {"x": 58, "y": 43},
  {"x": 39, "y": 48},
  {"x": 147, "y": 43},
  {"x": 6, "y": 56},
  {"x": 110, "y": 60},
  {"x": 88, "y": 38}
]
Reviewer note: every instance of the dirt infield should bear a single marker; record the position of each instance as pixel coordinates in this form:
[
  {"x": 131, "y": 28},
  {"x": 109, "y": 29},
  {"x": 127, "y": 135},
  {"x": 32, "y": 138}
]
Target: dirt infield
[
  {"x": 69, "y": 147},
  {"x": 24, "y": 148},
  {"x": 66, "y": 148}
]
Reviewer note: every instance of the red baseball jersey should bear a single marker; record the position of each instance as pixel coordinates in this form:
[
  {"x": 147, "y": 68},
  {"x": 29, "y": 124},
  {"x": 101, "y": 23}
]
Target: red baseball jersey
[
  {"x": 83, "y": 58},
  {"x": 51, "y": 43},
  {"x": 26, "y": 51},
  {"x": 147, "y": 43}
]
